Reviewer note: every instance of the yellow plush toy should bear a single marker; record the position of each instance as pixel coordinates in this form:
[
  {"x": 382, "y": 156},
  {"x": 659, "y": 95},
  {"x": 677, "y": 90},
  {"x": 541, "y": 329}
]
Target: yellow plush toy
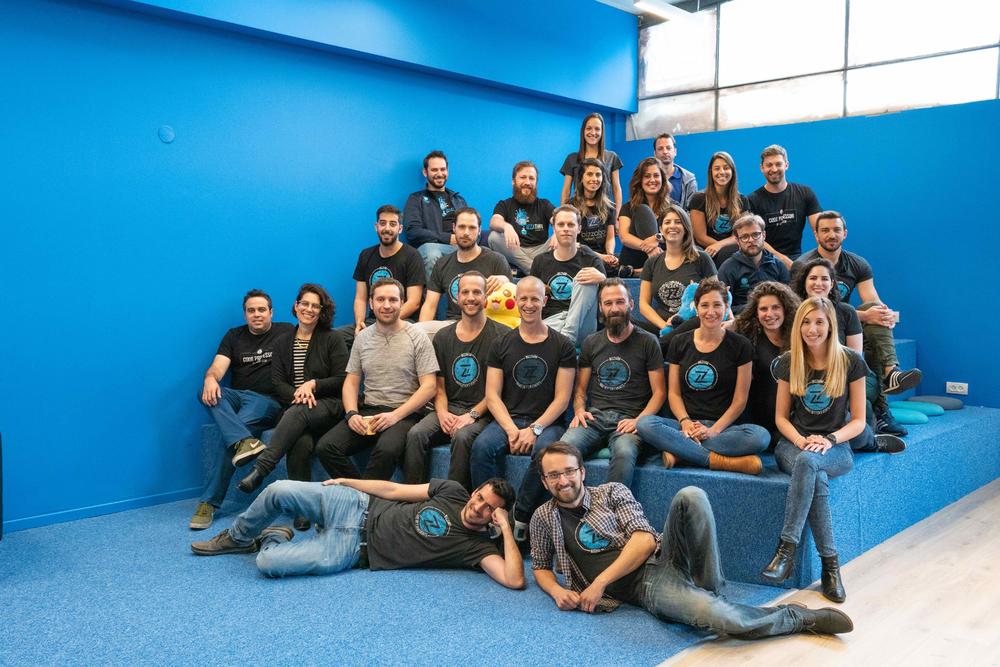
[{"x": 501, "y": 306}]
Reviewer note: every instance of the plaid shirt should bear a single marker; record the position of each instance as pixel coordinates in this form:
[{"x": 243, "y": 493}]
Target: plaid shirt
[{"x": 614, "y": 514}]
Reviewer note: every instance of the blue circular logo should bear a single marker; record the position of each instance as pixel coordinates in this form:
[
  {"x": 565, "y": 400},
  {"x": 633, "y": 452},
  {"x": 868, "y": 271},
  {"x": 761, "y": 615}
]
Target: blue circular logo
[
  {"x": 432, "y": 522},
  {"x": 701, "y": 376},
  {"x": 561, "y": 286},
  {"x": 465, "y": 369},
  {"x": 744, "y": 282},
  {"x": 815, "y": 400},
  {"x": 843, "y": 289},
  {"x": 613, "y": 373},
  {"x": 589, "y": 540},
  {"x": 530, "y": 372},
  {"x": 723, "y": 225},
  {"x": 378, "y": 274},
  {"x": 453, "y": 288}
]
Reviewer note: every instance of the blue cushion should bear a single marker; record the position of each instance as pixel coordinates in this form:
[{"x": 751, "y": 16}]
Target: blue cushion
[
  {"x": 929, "y": 409},
  {"x": 904, "y": 416}
]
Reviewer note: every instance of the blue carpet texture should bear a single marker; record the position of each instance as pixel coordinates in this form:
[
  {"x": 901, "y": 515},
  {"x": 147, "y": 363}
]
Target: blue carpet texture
[{"x": 125, "y": 589}]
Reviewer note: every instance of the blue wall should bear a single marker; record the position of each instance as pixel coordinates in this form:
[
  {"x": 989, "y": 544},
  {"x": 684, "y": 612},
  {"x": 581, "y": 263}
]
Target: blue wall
[
  {"x": 124, "y": 258},
  {"x": 918, "y": 190}
]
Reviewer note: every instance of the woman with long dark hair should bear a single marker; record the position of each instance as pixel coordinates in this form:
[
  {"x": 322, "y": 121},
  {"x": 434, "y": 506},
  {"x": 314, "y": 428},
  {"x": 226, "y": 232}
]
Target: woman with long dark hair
[
  {"x": 592, "y": 146},
  {"x": 714, "y": 210},
  {"x": 638, "y": 220},
  {"x": 820, "y": 412},
  {"x": 597, "y": 214}
]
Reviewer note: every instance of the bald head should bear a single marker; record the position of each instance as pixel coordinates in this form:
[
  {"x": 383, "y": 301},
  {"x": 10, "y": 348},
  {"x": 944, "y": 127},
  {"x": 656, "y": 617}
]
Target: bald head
[{"x": 530, "y": 299}]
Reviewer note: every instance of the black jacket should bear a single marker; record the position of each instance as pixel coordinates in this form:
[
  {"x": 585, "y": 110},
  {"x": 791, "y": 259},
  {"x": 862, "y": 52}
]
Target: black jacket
[{"x": 326, "y": 362}]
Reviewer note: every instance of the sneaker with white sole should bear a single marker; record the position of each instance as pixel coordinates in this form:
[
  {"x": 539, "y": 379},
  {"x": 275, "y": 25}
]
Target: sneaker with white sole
[
  {"x": 898, "y": 380},
  {"x": 889, "y": 444},
  {"x": 203, "y": 516},
  {"x": 247, "y": 450}
]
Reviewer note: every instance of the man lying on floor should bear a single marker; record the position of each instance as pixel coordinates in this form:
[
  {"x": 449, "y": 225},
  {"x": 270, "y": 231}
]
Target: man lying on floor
[
  {"x": 599, "y": 538},
  {"x": 376, "y": 524}
]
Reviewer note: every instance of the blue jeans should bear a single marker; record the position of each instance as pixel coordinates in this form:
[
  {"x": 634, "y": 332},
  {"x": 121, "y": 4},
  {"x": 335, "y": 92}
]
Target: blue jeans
[
  {"x": 737, "y": 440},
  {"x": 580, "y": 320},
  {"x": 239, "y": 414},
  {"x": 487, "y": 450},
  {"x": 431, "y": 253},
  {"x": 809, "y": 490},
  {"x": 624, "y": 446},
  {"x": 683, "y": 584},
  {"x": 335, "y": 546}
]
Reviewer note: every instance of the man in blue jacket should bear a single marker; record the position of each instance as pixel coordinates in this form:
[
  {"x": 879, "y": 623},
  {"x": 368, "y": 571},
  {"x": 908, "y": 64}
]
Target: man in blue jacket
[
  {"x": 752, "y": 264},
  {"x": 430, "y": 213}
]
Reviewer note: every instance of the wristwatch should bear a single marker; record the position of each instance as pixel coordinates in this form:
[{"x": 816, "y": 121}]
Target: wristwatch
[
  {"x": 537, "y": 429},
  {"x": 350, "y": 413},
  {"x": 832, "y": 438},
  {"x": 474, "y": 414}
]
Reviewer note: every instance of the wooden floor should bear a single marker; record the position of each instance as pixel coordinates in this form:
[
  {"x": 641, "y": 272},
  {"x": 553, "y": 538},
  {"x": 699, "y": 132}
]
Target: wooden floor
[{"x": 928, "y": 596}]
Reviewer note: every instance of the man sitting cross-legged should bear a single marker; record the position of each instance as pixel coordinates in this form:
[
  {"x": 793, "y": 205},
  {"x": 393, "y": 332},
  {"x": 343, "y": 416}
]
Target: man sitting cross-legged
[
  {"x": 377, "y": 525},
  {"x": 601, "y": 541}
]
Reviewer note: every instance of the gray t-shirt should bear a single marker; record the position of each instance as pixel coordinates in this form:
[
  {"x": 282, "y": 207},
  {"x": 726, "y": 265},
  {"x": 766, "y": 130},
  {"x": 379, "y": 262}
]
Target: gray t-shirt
[
  {"x": 668, "y": 284},
  {"x": 815, "y": 412},
  {"x": 425, "y": 534},
  {"x": 391, "y": 365}
]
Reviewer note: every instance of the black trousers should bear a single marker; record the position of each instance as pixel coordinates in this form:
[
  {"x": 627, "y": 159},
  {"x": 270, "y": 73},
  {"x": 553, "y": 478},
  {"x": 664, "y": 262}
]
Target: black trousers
[{"x": 336, "y": 447}]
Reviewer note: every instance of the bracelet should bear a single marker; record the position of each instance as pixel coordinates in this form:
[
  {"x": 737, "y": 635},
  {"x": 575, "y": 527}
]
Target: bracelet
[{"x": 684, "y": 419}]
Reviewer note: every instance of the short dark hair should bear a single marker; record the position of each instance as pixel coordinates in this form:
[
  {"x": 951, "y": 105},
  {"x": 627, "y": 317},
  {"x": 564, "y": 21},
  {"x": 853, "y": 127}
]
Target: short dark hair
[
  {"x": 523, "y": 164},
  {"x": 830, "y": 215},
  {"x": 387, "y": 208},
  {"x": 559, "y": 447},
  {"x": 773, "y": 149},
  {"x": 708, "y": 285},
  {"x": 255, "y": 293},
  {"x": 613, "y": 281},
  {"x": 502, "y": 488},
  {"x": 568, "y": 208},
  {"x": 432, "y": 154},
  {"x": 470, "y": 211},
  {"x": 327, "y": 308},
  {"x": 382, "y": 282},
  {"x": 472, "y": 274},
  {"x": 664, "y": 135}
]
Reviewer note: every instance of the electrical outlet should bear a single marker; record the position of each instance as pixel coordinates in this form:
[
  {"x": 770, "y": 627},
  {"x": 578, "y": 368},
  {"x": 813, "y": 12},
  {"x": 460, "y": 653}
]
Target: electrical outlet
[{"x": 957, "y": 388}]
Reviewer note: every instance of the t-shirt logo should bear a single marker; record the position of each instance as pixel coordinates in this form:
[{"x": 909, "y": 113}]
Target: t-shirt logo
[
  {"x": 590, "y": 540},
  {"x": 561, "y": 286},
  {"x": 521, "y": 220},
  {"x": 432, "y": 522},
  {"x": 378, "y": 274},
  {"x": 670, "y": 294},
  {"x": 744, "y": 282},
  {"x": 453, "y": 288},
  {"x": 443, "y": 205},
  {"x": 722, "y": 224},
  {"x": 701, "y": 376},
  {"x": 530, "y": 371},
  {"x": 815, "y": 399},
  {"x": 774, "y": 368},
  {"x": 844, "y": 290},
  {"x": 465, "y": 370},
  {"x": 613, "y": 373}
]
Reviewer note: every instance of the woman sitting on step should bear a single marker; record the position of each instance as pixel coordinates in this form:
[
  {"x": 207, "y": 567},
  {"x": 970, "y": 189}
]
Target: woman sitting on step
[
  {"x": 820, "y": 412},
  {"x": 708, "y": 383}
]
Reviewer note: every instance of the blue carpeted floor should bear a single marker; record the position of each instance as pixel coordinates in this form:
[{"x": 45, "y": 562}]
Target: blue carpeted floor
[{"x": 125, "y": 589}]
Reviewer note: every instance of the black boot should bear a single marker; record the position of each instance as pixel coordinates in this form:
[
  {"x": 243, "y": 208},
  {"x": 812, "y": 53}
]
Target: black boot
[
  {"x": 780, "y": 567},
  {"x": 251, "y": 482},
  {"x": 833, "y": 587}
]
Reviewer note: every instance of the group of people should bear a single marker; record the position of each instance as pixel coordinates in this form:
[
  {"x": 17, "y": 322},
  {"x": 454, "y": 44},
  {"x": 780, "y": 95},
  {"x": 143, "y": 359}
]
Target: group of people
[{"x": 401, "y": 379}]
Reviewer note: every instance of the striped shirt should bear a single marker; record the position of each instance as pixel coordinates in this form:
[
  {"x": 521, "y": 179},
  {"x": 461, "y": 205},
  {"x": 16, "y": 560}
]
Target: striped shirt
[
  {"x": 299, "y": 350},
  {"x": 614, "y": 514}
]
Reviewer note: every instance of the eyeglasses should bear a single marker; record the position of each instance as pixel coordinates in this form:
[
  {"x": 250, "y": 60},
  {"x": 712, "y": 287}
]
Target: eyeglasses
[
  {"x": 753, "y": 236},
  {"x": 569, "y": 473},
  {"x": 307, "y": 305}
]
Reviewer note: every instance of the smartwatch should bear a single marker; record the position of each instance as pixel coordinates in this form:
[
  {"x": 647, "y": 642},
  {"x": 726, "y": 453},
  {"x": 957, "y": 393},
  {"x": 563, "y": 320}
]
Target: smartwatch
[
  {"x": 474, "y": 414},
  {"x": 831, "y": 437}
]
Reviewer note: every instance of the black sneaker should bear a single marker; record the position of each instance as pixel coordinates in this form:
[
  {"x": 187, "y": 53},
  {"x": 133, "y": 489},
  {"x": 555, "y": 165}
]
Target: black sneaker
[
  {"x": 625, "y": 271},
  {"x": 302, "y": 524},
  {"x": 223, "y": 543},
  {"x": 247, "y": 450},
  {"x": 896, "y": 380},
  {"x": 889, "y": 444},
  {"x": 887, "y": 424}
]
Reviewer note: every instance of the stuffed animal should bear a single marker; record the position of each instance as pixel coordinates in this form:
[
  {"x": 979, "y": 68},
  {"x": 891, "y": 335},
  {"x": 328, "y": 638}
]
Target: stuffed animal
[
  {"x": 501, "y": 306},
  {"x": 687, "y": 309}
]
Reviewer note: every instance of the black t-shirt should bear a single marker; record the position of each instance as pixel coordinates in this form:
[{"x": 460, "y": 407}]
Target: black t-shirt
[
  {"x": 250, "y": 356},
  {"x": 529, "y": 370},
  {"x": 631, "y": 256},
  {"x": 848, "y": 322},
  {"x": 816, "y": 413},
  {"x": 763, "y": 387},
  {"x": 530, "y": 221},
  {"x": 593, "y": 554},
  {"x": 611, "y": 163},
  {"x": 619, "y": 378},
  {"x": 785, "y": 215},
  {"x": 406, "y": 266},
  {"x": 594, "y": 229},
  {"x": 425, "y": 534},
  {"x": 448, "y": 270},
  {"x": 463, "y": 365},
  {"x": 558, "y": 276},
  {"x": 708, "y": 379},
  {"x": 668, "y": 285},
  {"x": 851, "y": 270},
  {"x": 721, "y": 228}
]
